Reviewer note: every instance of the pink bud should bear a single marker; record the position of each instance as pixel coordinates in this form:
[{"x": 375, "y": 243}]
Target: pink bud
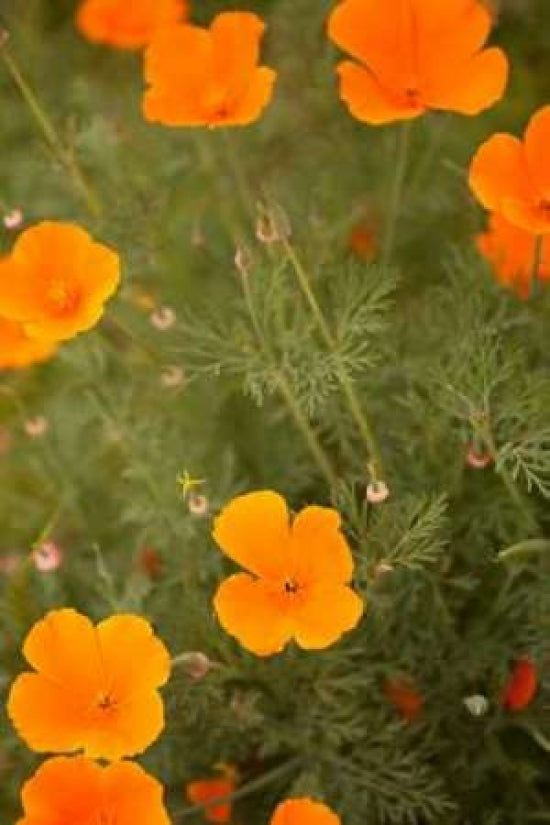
[
  {"x": 478, "y": 461},
  {"x": 198, "y": 504},
  {"x": 13, "y": 220},
  {"x": 47, "y": 557},
  {"x": 163, "y": 318},
  {"x": 36, "y": 427},
  {"x": 377, "y": 492},
  {"x": 195, "y": 664}
]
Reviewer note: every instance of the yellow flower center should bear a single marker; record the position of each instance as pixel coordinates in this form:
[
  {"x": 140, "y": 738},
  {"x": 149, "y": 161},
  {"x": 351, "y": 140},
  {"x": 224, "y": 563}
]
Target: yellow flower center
[{"x": 62, "y": 298}]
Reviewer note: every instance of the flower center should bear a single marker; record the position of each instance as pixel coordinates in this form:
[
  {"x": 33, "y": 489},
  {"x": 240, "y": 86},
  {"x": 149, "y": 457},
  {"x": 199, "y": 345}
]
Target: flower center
[
  {"x": 61, "y": 297},
  {"x": 412, "y": 96},
  {"x": 106, "y": 702},
  {"x": 291, "y": 586},
  {"x": 545, "y": 205}
]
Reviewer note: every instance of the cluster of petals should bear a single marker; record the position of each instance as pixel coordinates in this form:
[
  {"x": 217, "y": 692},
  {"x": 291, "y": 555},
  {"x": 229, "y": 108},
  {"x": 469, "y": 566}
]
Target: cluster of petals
[
  {"x": 94, "y": 689},
  {"x": 412, "y": 56},
  {"x": 298, "y": 584},
  {"x": 127, "y": 24},
  {"x": 522, "y": 686},
  {"x": 18, "y": 350},
  {"x": 55, "y": 281},
  {"x": 512, "y": 251},
  {"x": 71, "y": 790},
  {"x": 304, "y": 811},
  {"x": 208, "y": 77},
  {"x": 512, "y": 176},
  {"x": 213, "y": 795}
]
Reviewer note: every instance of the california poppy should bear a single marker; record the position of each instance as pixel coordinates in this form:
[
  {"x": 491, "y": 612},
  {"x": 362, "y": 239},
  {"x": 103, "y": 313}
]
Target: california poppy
[
  {"x": 95, "y": 688},
  {"x": 416, "y": 55},
  {"x": 208, "y": 77},
  {"x": 521, "y": 687},
  {"x": 56, "y": 281},
  {"x": 404, "y": 697},
  {"x": 511, "y": 252},
  {"x": 205, "y": 791},
  {"x": 297, "y": 587},
  {"x": 18, "y": 350},
  {"x": 127, "y": 24},
  {"x": 304, "y": 812},
  {"x": 69, "y": 790},
  {"x": 512, "y": 177}
]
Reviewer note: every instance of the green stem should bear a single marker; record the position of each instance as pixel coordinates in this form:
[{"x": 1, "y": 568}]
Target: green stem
[
  {"x": 525, "y": 549},
  {"x": 286, "y": 391},
  {"x": 537, "y": 263},
  {"x": 396, "y": 192},
  {"x": 263, "y": 781},
  {"x": 47, "y": 128},
  {"x": 354, "y": 404}
]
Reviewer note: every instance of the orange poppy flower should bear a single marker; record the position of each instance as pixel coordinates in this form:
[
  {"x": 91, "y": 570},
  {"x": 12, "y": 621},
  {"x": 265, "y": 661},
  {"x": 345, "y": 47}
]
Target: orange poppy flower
[
  {"x": 127, "y": 24},
  {"x": 208, "y": 77},
  {"x": 303, "y": 812},
  {"x": 297, "y": 587},
  {"x": 511, "y": 253},
  {"x": 205, "y": 791},
  {"x": 18, "y": 350},
  {"x": 56, "y": 281},
  {"x": 69, "y": 790},
  {"x": 521, "y": 687},
  {"x": 416, "y": 56},
  {"x": 95, "y": 688},
  {"x": 512, "y": 177},
  {"x": 405, "y": 698},
  {"x": 363, "y": 240}
]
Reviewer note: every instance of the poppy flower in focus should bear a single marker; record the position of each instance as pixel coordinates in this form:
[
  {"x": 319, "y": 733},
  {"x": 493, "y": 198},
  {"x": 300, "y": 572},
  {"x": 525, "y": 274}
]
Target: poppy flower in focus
[
  {"x": 95, "y": 688},
  {"x": 205, "y": 791},
  {"x": 298, "y": 584},
  {"x": 18, "y": 350},
  {"x": 512, "y": 177},
  {"x": 127, "y": 24},
  {"x": 521, "y": 687},
  {"x": 405, "y": 698},
  {"x": 416, "y": 55},
  {"x": 208, "y": 77},
  {"x": 56, "y": 281},
  {"x": 70, "y": 790},
  {"x": 511, "y": 252},
  {"x": 303, "y": 812}
]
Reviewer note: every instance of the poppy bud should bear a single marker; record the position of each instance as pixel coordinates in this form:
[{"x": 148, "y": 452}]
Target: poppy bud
[
  {"x": 377, "y": 492},
  {"x": 13, "y": 220},
  {"x": 521, "y": 687},
  {"x": 273, "y": 225},
  {"x": 36, "y": 427},
  {"x": 195, "y": 664},
  {"x": 163, "y": 318},
  {"x": 476, "y": 704},
  {"x": 172, "y": 377},
  {"x": 477, "y": 460},
  {"x": 47, "y": 557},
  {"x": 198, "y": 504}
]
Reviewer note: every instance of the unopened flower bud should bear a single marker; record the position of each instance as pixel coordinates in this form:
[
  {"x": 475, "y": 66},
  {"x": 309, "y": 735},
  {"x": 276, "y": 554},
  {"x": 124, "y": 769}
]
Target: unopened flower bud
[
  {"x": 477, "y": 460},
  {"x": 243, "y": 260},
  {"x": 47, "y": 557},
  {"x": 172, "y": 377},
  {"x": 273, "y": 225},
  {"x": 36, "y": 427},
  {"x": 377, "y": 492},
  {"x": 195, "y": 664},
  {"x": 13, "y": 220},
  {"x": 198, "y": 504},
  {"x": 163, "y": 318},
  {"x": 477, "y": 704}
]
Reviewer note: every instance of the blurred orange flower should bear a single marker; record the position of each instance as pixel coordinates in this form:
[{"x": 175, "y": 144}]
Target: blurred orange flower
[
  {"x": 299, "y": 575},
  {"x": 205, "y": 791},
  {"x": 303, "y": 812},
  {"x": 18, "y": 350},
  {"x": 95, "y": 688},
  {"x": 512, "y": 177},
  {"x": 67, "y": 790},
  {"x": 208, "y": 77},
  {"x": 416, "y": 55},
  {"x": 364, "y": 240},
  {"x": 56, "y": 281},
  {"x": 511, "y": 253},
  {"x": 521, "y": 687},
  {"x": 127, "y": 24},
  {"x": 404, "y": 697}
]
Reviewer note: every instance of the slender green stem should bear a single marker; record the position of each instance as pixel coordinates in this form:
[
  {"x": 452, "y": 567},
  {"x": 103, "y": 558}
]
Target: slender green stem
[
  {"x": 354, "y": 404},
  {"x": 537, "y": 263},
  {"x": 396, "y": 191},
  {"x": 287, "y": 392},
  {"x": 525, "y": 549},
  {"x": 64, "y": 156},
  {"x": 239, "y": 175},
  {"x": 252, "y": 787}
]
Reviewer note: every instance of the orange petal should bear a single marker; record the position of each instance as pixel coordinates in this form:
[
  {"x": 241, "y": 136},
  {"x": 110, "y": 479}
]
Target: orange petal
[
  {"x": 537, "y": 143},
  {"x": 469, "y": 88},
  {"x": 63, "y": 647},
  {"x": 18, "y": 350},
  {"x": 247, "y": 610},
  {"x": 319, "y": 549},
  {"x": 498, "y": 172},
  {"x": 325, "y": 615},
  {"x": 134, "y": 796},
  {"x": 236, "y": 47},
  {"x": 17, "y": 291},
  {"x": 126, "y": 25},
  {"x": 128, "y": 731},
  {"x": 63, "y": 789},
  {"x": 528, "y": 216},
  {"x": 382, "y": 41},
  {"x": 447, "y": 32},
  {"x": 253, "y": 530},
  {"x": 303, "y": 812},
  {"x": 44, "y": 714},
  {"x": 368, "y": 101},
  {"x": 254, "y": 99},
  {"x": 142, "y": 663},
  {"x": 205, "y": 791}
]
